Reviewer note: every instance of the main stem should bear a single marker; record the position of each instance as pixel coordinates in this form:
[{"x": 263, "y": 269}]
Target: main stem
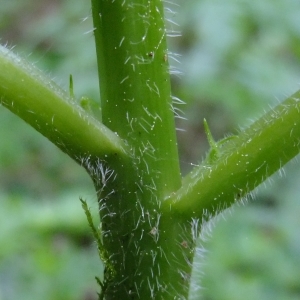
[
  {"x": 135, "y": 83},
  {"x": 149, "y": 251}
]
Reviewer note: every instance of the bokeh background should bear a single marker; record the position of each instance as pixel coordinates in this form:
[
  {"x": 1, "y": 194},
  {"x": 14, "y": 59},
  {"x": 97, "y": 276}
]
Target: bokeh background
[{"x": 233, "y": 60}]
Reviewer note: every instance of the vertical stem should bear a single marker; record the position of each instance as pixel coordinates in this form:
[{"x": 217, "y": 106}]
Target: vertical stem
[
  {"x": 143, "y": 242},
  {"x": 135, "y": 83}
]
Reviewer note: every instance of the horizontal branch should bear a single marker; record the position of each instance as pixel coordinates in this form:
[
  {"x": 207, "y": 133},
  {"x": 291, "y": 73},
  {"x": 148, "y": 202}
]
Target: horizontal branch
[
  {"x": 36, "y": 99},
  {"x": 246, "y": 161}
]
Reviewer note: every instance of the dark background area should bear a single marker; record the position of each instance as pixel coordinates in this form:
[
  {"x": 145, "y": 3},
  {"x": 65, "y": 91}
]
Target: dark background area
[{"x": 233, "y": 60}]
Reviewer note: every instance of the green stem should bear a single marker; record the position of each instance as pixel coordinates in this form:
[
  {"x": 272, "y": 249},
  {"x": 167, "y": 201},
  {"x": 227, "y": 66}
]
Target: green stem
[
  {"x": 145, "y": 244},
  {"x": 247, "y": 160},
  {"x": 36, "y": 99},
  {"x": 135, "y": 84}
]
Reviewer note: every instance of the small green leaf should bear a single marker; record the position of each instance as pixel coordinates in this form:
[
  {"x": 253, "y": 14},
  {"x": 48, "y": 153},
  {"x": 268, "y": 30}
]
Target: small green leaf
[
  {"x": 109, "y": 271},
  {"x": 215, "y": 151},
  {"x": 91, "y": 107},
  {"x": 71, "y": 90}
]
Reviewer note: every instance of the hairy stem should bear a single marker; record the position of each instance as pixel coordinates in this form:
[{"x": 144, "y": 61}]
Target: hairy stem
[
  {"x": 135, "y": 84},
  {"x": 246, "y": 161},
  {"x": 145, "y": 245},
  {"x": 36, "y": 99}
]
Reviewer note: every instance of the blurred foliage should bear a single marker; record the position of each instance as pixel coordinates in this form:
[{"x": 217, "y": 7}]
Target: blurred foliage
[
  {"x": 46, "y": 250},
  {"x": 236, "y": 58}
]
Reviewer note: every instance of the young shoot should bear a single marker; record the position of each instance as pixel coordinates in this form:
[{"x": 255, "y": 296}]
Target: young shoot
[
  {"x": 109, "y": 271},
  {"x": 215, "y": 151}
]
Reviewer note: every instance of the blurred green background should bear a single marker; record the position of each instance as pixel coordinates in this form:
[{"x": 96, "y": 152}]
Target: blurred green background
[{"x": 236, "y": 58}]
